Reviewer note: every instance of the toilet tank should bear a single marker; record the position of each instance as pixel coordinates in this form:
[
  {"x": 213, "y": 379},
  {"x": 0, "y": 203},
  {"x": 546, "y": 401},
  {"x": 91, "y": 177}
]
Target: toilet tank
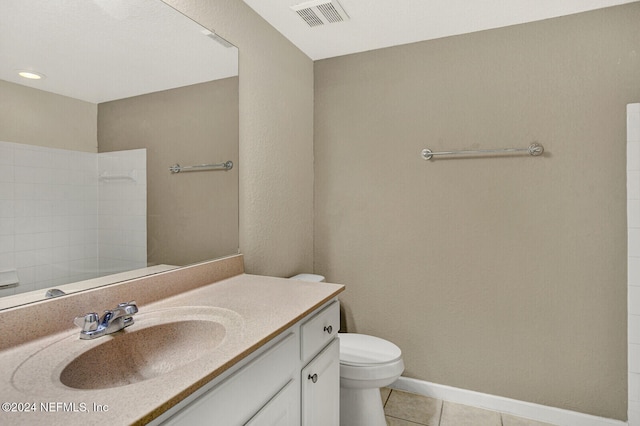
[{"x": 309, "y": 277}]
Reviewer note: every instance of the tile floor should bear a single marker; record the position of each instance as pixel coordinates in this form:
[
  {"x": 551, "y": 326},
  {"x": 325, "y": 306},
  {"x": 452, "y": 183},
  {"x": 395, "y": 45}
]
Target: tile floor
[{"x": 407, "y": 409}]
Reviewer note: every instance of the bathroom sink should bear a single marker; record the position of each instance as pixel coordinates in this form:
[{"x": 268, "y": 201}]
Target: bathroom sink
[
  {"x": 158, "y": 344},
  {"x": 143, "y": 354}
]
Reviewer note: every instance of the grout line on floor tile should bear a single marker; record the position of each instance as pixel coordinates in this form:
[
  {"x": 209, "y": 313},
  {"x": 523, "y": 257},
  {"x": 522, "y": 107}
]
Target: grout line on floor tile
[
  {"x": 384, "y": 404},
  {"x": 406, "y": 421},
  {"x": 441, "y": 410}
]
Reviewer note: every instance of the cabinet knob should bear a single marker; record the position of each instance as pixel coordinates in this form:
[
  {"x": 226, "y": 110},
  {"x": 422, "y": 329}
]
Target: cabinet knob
[
  {"x": 313, "y": 378},
  {"x": 328, "y": 329}
]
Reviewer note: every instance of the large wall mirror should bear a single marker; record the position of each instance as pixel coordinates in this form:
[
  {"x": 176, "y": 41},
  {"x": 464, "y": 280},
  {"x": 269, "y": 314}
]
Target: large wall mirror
[{"x": 116, "y": 92}]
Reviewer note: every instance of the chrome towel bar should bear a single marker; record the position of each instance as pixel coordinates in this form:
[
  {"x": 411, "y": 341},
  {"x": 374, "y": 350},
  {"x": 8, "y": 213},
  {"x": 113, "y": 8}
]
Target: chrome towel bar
[
  {"x": 177, "y": 168},
  {"x": 534, "y": 149}
]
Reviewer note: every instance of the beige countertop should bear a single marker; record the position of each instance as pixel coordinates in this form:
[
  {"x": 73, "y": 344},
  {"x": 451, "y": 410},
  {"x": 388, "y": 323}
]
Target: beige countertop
[{"x": 263, "y": 307}]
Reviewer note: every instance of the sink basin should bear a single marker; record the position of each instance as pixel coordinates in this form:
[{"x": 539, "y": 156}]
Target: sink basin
[
  {"x": 158, "y": 344},
  {"x": 142, "y": 354}
]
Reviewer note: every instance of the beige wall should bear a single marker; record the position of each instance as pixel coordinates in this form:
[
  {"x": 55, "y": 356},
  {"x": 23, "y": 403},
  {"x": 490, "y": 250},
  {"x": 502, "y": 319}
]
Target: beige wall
[
  {"x": 36, "y": 117},
  {"x": 191, "y": 217},
  {"x": 276, "y": 138},
  {"x": 501, "y": 275}
]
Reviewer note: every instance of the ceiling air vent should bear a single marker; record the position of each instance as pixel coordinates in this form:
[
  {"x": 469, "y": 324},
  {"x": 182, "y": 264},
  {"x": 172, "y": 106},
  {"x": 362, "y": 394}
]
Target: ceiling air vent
[{"x": 320, "y": 12}]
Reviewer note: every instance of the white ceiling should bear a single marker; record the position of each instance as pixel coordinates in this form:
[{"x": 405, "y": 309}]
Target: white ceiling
[
  {"x": 376, "y": 24},
  {"x": 101, "y": 50}
]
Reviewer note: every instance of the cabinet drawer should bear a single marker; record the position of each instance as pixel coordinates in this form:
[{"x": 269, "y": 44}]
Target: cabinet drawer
[{"x": 319, "y": 330}]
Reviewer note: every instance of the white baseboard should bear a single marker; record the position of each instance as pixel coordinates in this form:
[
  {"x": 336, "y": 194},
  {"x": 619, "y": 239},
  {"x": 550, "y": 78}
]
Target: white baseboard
[{"x": 541, "y": 413}]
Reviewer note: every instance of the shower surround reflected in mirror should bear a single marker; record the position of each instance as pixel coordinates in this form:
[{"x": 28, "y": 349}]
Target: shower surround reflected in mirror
[{"x": 133, "y": 88}]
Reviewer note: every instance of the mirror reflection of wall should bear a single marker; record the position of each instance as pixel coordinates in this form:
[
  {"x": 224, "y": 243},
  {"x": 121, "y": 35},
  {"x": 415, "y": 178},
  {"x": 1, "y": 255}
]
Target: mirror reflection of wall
[
  {"x": 191, "y": 216},
  {"x": 64, "y": 139}
]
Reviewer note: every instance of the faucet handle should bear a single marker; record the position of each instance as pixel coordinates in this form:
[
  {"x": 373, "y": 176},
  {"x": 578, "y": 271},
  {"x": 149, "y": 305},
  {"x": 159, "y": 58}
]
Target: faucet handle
[
  {"x": 129, "y": 307},
  {"x": 87, "y": 322}
]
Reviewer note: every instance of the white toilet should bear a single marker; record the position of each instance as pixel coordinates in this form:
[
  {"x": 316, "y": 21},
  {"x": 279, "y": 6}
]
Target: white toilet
[{"x": 367, "y": 363}]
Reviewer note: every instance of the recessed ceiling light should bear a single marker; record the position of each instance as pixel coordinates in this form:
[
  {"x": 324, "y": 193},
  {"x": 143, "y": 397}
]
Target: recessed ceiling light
[{"x": 31, "y": 75}]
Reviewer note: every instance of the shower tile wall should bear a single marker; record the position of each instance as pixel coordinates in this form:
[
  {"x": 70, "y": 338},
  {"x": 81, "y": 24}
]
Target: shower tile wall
[
  {"x": 49, "y": 215},
  {"x": 122, "y": 211},
  {"x": 633, "y": 250}
]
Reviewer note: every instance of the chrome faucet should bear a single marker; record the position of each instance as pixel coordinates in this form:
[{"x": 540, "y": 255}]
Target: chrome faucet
[
  {"x": 54, "y": 292},
  {"x": 114, "y": 320}
]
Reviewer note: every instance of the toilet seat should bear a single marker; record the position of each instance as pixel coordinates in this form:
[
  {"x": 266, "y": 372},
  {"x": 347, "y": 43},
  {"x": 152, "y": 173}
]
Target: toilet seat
[{"x": 361, "y": 350}]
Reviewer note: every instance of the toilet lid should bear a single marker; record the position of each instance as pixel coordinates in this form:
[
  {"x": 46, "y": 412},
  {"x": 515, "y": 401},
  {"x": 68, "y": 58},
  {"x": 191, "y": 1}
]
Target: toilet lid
[{"x": 360, "y": 349}]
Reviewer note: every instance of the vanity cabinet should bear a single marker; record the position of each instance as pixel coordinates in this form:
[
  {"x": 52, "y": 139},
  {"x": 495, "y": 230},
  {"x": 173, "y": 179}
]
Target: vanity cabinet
[
  {"x": 293, "y": 379},
  {"x": 320, "y": 378},
  {"x": 282, "y": 410}
]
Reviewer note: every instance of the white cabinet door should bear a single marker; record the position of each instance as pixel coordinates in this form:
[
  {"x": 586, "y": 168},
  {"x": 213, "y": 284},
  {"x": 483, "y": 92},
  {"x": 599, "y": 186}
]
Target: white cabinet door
[
  {"x": 282, "y": 410},
  {"x": 321, "y": 388},
  {"x": 239, "y": 397}
]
